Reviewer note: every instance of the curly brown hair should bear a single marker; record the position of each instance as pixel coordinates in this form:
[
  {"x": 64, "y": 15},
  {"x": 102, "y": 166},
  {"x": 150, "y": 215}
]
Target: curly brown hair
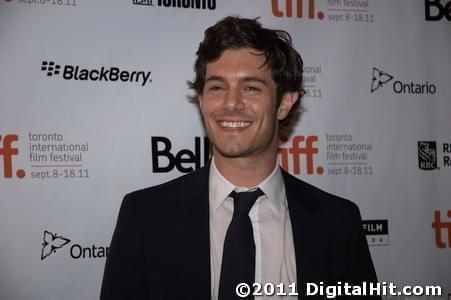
[{"x": 234, "y": 32}]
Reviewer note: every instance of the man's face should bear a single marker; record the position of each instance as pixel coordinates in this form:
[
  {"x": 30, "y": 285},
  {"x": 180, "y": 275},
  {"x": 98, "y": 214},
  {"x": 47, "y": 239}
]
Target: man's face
[{"x": 238, "y": 105}]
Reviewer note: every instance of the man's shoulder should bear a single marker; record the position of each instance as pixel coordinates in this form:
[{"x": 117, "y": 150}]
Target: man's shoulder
[
  {"x": 184, "y": 185},
  {"x": 316, "y": 199}
]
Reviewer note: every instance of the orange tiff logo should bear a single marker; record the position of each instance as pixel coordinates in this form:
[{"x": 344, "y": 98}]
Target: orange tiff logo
[
  {"x": 286, "y": 10},
  {"x": 440, "y": 226},
  {"x": 7, "y": 151},
  {"x": 301, "y": 147}
]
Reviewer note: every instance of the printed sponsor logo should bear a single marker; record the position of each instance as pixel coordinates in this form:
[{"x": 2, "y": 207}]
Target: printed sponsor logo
[
  {"x": 59, "y": 3},
  {"x": 8, "y": 152},
  {"x": 165, "y": 160},
  {"x": 380, "y": 78},
  {"x": 427, "y": 155},
  {"x": 442, "y": 228},
  {"x": 436, "y": 10},
  {"x": 299, "y": 157},
  {"x": 311, "y": 81},
  {"x": 191, "y": 4},
  {"x": 53, "y": 242},
  {"x": 50, "y": 157},
  {"x": 433, "y": 157},
  {"x": 376, "y": 232},
  {"x": 358, "y": 11},
  {"x": 345, "y": 155},
  {"x": 102, "y": 74}
]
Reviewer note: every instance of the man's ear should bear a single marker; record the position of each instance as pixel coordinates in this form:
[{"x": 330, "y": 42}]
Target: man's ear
[{"x": 286, "y": 103}]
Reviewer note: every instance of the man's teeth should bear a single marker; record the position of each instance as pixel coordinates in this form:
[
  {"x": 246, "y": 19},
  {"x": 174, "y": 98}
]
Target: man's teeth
[{"x": 227, "y": 124}]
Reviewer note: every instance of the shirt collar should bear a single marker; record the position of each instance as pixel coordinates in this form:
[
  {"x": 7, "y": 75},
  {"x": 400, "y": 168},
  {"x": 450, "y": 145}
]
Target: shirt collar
[{"x": 272, "y": 186}]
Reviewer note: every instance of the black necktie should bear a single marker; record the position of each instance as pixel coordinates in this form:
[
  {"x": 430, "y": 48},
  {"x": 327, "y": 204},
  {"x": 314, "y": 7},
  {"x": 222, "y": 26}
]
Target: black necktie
[{"x": 238, "y": 258}]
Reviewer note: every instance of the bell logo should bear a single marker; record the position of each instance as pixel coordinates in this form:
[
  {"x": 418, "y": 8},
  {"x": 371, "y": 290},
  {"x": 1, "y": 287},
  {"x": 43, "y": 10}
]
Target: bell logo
[
  {"x": 296, "y": 151},
  {"x": 7, "y": 151},
  {"x": 440, "y": 226},
  {"x": 298, "y": 5}
]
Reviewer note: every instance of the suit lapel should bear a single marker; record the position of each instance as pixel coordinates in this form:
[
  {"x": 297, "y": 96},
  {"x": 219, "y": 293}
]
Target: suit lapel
[
  {"x": 308, "y": 232},
  {"x": 193, "y": 242}
]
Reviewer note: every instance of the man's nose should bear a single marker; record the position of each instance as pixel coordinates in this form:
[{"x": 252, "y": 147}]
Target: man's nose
[{"x": 233, "y": 99}]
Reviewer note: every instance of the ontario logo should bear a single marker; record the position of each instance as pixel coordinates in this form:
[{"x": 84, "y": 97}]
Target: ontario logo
[
  {"x": 102, "y": 74},
  {"x": 52, "y": 242},
  {"x": 380, "y": 78}
]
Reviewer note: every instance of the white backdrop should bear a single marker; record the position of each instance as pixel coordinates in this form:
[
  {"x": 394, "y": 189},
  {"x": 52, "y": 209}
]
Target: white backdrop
[{"x": 72, "y": 144}]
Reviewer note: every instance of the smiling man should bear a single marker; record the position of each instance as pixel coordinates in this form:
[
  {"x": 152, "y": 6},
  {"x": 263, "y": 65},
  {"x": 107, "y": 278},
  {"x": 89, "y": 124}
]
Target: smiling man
[{"x": 241, "y": 219}]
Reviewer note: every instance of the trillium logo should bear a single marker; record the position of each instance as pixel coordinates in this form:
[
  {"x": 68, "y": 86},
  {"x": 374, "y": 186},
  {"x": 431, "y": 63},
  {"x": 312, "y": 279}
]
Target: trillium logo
[
  {"x": 379, "y": 78},
  {"x": 52, "y": 242}
]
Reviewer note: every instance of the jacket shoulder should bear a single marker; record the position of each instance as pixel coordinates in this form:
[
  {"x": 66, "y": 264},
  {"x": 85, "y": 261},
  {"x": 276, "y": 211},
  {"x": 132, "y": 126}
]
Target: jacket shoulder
[
  {"x": 182, "y": 186},
  {"x": 317, "y": 199}
]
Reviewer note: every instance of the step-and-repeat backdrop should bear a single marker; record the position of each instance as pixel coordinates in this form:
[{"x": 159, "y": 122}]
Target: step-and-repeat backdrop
[{"x": 94, "y": 104}]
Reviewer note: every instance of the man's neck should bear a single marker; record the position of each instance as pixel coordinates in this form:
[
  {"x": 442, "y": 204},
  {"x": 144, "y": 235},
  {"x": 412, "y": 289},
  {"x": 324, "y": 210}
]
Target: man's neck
[{"x": 245, "y": 172}]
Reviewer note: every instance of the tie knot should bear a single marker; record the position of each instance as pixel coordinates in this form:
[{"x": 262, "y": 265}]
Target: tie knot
[{"x": 243, "y": 201}]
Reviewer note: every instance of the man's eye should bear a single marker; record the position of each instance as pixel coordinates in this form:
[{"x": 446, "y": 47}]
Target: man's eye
[
  {"x": 215, "y": 88},
  {"x": 252, "y": 89}
]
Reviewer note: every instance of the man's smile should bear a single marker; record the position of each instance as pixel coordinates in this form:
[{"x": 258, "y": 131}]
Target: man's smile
[{"x": 234, "y": 124}]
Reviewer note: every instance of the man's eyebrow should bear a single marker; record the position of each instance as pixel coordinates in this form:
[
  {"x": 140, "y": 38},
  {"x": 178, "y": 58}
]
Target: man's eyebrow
[
  {"x": 242, "y": 80},
  {"x": 214, "y": 77},
  {"x": 253, "y": 78}
]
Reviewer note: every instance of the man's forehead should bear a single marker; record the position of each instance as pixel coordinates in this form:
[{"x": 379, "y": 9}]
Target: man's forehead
[{"x": 243, "y": 60}]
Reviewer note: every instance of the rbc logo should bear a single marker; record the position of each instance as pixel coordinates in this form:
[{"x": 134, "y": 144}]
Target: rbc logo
[
  {"x": 435, "y": 11},
  {"x": 301, "y": 146},
  {"x": 8, "y": 151}
]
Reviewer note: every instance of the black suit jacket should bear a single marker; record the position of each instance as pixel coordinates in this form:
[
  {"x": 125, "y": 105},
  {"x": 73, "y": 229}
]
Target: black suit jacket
[{"x": 160, "y": 248}]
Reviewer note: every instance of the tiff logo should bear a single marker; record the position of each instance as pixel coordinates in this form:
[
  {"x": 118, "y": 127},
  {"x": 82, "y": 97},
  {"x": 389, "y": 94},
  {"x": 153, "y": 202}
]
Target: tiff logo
[
  {"x": 280, "y": 10},
  {"x": 301, "y": 146},
  {"x": 8, "y": 151},
  {"x": 51, "y": 68},
  {"x": 440, "y": 226}
]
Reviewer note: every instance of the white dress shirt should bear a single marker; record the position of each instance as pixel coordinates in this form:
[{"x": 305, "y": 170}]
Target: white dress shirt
[{"x": 274, "y": 248}]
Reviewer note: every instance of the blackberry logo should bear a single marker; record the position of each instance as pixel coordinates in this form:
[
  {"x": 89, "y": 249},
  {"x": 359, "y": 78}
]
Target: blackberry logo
[
  {"x": 379, "y": 78},
  {"x": 427, "y": 155},
  {"x": 105, "y": 74},
  {"x": 52, "y": 242},
  {"x": 50, "y": 67}
]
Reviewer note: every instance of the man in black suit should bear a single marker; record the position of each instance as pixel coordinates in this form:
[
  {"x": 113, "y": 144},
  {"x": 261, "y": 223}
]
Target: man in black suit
[{"x": 240, "y": 219}]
